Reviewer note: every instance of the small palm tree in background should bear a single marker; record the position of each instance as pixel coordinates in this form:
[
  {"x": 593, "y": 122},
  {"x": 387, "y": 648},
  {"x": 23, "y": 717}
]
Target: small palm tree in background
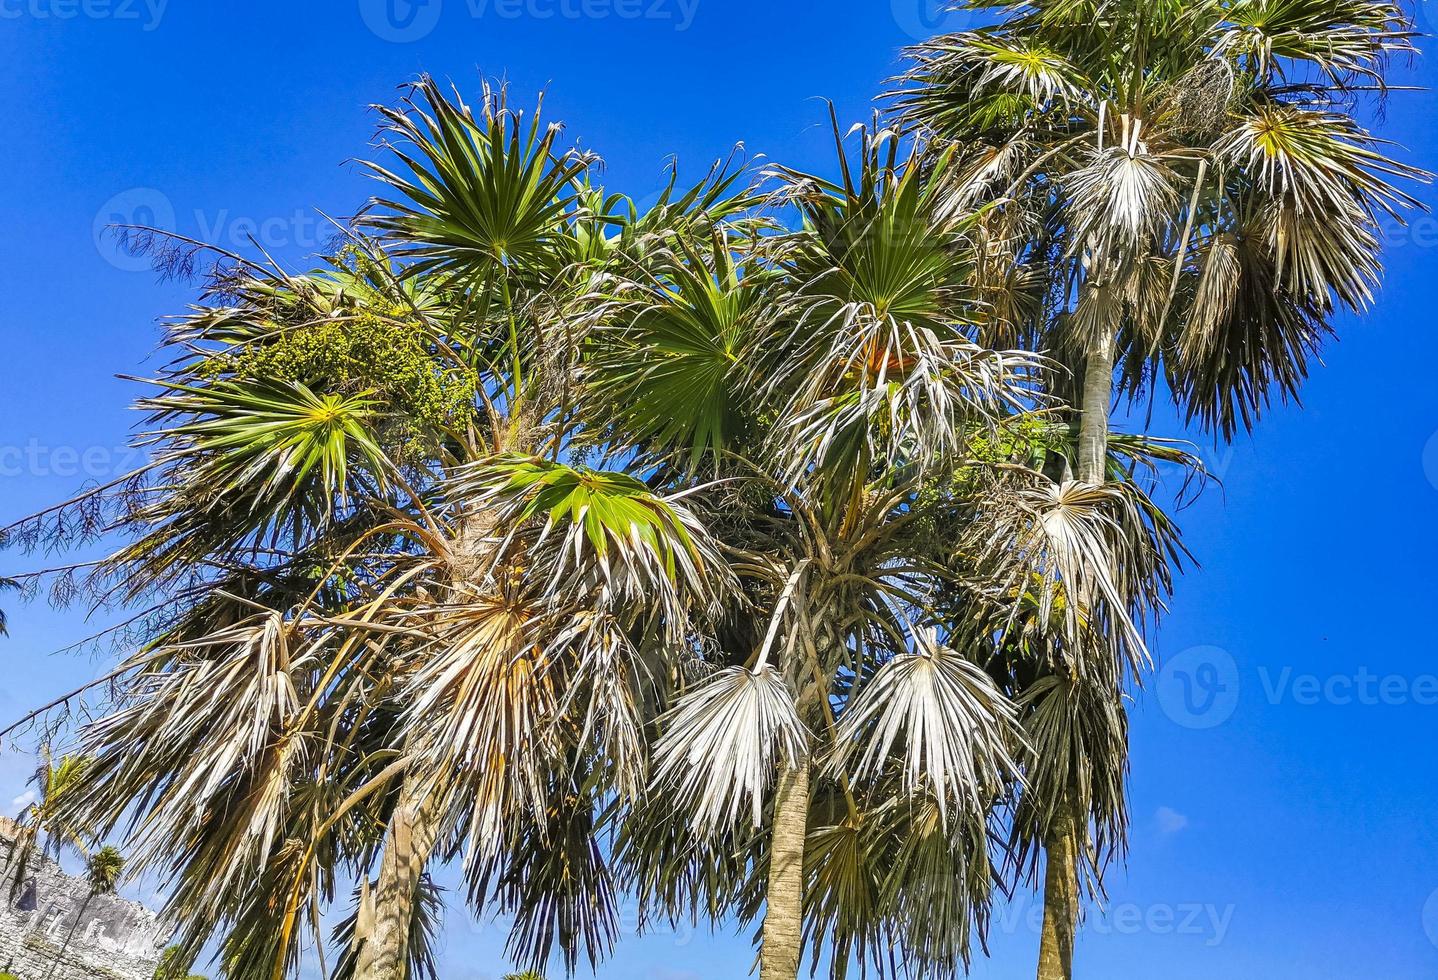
[
  {"x": 102, "y": 873},
  {"x": 174, "y": 965},
  {"x": 43, "y": 822}
]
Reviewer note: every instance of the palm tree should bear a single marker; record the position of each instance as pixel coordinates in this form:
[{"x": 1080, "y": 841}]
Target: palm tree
[
  {"x": 373, "y": 592},
  {"x": 529, "y": 519},
  {"x": 842, "y": 761},
  {"x": 1185, "y": 197},
  {"x": 174, "y": 966},
  {"x": 53, "y": 784},
  {"x": 837, "y": 759},
  {"x": 102, "y": 872}
]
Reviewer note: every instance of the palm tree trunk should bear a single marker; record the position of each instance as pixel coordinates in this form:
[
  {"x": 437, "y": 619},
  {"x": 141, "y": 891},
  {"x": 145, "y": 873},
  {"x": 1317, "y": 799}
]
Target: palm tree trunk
[
  {"x": 1093, "y": 416},
  {"x": 1066, "y": 836},
  {"x": 1061, "y": 895},
  {"x": 783, "y": 933},
  {"x": 414, "y": 827},
  {"x": 409, "y": 842}
]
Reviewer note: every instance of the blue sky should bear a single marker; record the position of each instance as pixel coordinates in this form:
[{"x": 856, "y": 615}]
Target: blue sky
[{"x": 1285, "y": 778}]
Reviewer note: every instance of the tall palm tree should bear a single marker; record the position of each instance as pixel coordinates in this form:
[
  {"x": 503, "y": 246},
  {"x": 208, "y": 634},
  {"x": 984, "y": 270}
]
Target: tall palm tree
[
  {"x": 44, "y": 823},
  {"x": 1183, "y": 190},
  {"x": 373, "y": 592},
  {"x": 844, "y": 759},
  {"x": 103, "y": 868},
  {"x": 837, "y": 758}
]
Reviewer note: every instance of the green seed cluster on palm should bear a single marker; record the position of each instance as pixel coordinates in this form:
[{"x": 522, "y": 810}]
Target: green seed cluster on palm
[{"x": 728, "y": 554}]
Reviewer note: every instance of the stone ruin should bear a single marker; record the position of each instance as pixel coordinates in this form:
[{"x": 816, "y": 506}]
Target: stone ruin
[{"x": 115, "y": 939}]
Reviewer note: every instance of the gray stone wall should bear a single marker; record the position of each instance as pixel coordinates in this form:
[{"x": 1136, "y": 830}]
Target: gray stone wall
[{"x": 113, "y": 939}]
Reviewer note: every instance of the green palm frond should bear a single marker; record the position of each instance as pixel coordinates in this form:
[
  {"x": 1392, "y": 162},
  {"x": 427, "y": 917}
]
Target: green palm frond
[
  {"x": 272, "y": 439},
  {"x": 878, "y": 359},
  {"x": 609, "y": 521},
  {"x": 671, "y": 355},
  {"x": 474, "y": 195}
]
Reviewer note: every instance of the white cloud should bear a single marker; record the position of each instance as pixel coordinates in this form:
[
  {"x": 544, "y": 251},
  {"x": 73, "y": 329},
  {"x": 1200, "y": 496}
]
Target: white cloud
[
  {"x": 1170, "y": 821},
  {"x": 23, "y": 800}
]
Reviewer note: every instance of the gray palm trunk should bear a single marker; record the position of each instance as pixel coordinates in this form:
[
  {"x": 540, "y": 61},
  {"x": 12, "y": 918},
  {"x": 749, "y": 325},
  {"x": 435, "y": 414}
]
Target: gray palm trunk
[
  {"x": 1061, "y": 894},
  {"x": 1067, "y": 836},
  {"x": 783, "y": 932},
  {"x": 409, "y": 843}
]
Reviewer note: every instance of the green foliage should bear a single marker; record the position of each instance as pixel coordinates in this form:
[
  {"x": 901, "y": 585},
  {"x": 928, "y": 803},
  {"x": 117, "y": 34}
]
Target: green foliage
[
  {"x": 174, "y": 965},
  {"x": 363, "y": 353},
  {"x": 613, "y": 509},
  {"x": 103, "y": 869}
]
